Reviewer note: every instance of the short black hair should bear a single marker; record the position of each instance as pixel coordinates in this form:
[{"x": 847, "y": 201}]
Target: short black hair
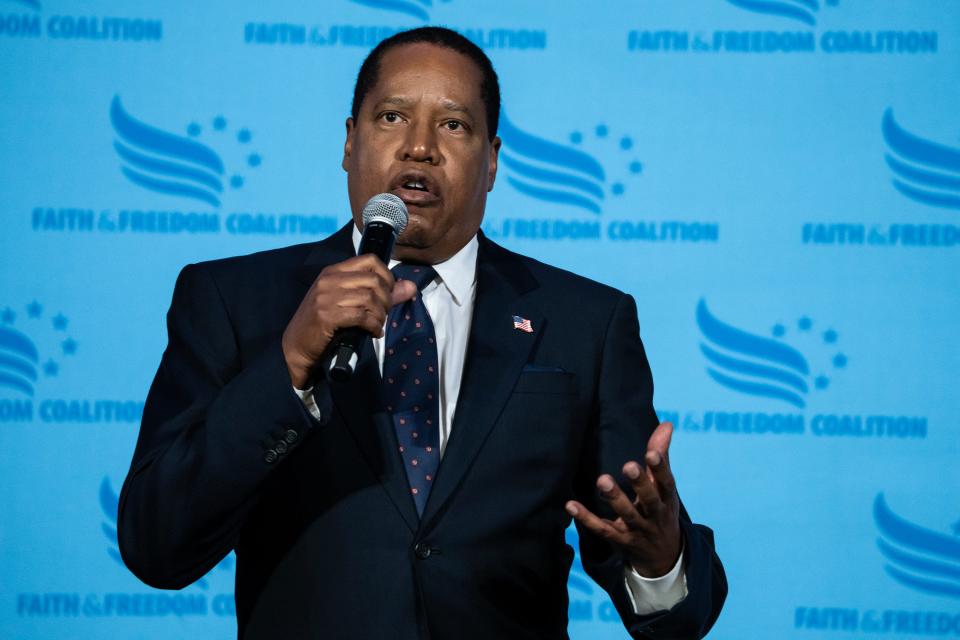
[{"x": 442, "y": 37}]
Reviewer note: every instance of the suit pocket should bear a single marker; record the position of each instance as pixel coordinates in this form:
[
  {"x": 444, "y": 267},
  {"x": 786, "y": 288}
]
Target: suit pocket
[{"x": 536, "y": 379}]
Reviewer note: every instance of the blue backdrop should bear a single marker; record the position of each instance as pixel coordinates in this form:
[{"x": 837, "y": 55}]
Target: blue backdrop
[{"x": 777, "y": 182}]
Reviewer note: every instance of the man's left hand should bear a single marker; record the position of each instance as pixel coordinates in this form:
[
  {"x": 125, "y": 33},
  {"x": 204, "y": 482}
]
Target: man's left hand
[{"x": 648, "y": 527}]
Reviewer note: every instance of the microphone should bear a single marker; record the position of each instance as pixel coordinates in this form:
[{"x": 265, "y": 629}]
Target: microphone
[{"x": 384, "y": 218}]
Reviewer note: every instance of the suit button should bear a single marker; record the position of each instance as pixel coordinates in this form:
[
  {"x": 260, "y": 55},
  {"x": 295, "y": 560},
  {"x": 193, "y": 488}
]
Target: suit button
[
  {"x": 270, "y": 456},
  {"x": 291, "y": 436},
  {"x": 280, "y": 447},
  {"x": 422, "y": 550}
]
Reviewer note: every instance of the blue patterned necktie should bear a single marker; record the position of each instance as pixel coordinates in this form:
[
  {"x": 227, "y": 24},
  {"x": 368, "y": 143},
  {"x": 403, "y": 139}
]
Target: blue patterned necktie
[{"x": 411, "y": 383}]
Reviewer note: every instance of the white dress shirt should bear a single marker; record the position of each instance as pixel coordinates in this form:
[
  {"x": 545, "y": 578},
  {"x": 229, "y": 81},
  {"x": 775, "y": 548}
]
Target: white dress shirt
[{"x": 449, "y": 301}]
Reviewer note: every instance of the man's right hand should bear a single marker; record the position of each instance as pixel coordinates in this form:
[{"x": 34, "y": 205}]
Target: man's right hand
[{"x": 354, "y": 293}]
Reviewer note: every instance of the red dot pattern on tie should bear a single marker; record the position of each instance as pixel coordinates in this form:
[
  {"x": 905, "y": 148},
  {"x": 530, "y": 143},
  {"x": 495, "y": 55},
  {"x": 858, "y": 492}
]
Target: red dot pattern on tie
[{"x": 412, "y": 385}]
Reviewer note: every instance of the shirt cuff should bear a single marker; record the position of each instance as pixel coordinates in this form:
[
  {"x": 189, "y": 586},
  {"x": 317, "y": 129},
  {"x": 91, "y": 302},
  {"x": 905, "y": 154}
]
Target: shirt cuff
[
  {"x": 649, "y": 595},
  {"x": 306, "y": 397}
]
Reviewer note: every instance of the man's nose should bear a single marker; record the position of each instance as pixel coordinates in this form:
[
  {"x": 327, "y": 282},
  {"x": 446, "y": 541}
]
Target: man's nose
[{"x": 420, "y": 143}]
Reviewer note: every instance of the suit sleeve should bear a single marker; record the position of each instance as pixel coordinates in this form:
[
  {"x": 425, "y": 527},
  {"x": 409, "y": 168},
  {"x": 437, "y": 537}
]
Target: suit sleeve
[
  {"x": 623, "y": 420},
  {"x": 215, "y": 426}
]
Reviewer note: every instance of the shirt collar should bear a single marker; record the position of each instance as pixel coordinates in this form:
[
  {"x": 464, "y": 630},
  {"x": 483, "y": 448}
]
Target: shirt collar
[{"x": 458, "y": 272}]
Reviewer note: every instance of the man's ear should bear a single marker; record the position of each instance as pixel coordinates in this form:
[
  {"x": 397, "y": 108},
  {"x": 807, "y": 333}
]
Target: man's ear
[
  {"x": 492, "y": 164},
  {"x": 348, "y": 144}
]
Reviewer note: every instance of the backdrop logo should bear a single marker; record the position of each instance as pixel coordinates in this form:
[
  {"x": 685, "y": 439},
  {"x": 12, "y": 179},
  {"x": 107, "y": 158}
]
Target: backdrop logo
[
  {"x": 565, "y": 174},
  {"x": 919, "y": 558},
  {"x": 792, "y": 27},
  {"x": 64, "y": 27},
  {"x": 109, "y": 504},
  {"x": 36, "y": 350},
  {"x": 787, "y": 367},
  {"x": 21, "y": 362},
  {"x": 173, "y": 164},
  {"x": 365, "y": 36},
  {"x": 416, "y": 8},
  {"x": 760, "y": 366},
  {"x": 799, "y": 10},
  {"x": 923, "y": 170},
  {"x": 203, "y": 164},
  {"x": 581, "y": 178}
]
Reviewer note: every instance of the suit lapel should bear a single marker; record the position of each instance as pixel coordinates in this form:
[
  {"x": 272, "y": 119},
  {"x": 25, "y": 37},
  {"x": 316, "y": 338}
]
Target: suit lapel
[
  {"x": 496, "y": 353},
  {"x": 358, "y": 402}
]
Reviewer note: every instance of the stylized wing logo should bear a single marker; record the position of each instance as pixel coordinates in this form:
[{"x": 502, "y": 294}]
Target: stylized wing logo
[
  {"x": 917, "y": 557},
  {"x": 18, "y": 361},
  {"x": 549, "y": 171},
  {"x": 801, "y": 10},
  {"x": 164, "y": 162},
  {"x": 413, "y": 8},
  {"x": 752, "y": 364},
  {"x": 924, "y": 171}
]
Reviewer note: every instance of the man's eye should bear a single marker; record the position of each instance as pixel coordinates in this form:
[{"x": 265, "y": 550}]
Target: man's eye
[
  {"x": 391, "y": 117},
  {"x": 454, "y": 125}
]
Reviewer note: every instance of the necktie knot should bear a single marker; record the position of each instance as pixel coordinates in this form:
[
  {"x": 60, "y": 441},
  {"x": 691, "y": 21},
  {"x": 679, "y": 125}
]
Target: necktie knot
[{"x": 419, "y": 274}]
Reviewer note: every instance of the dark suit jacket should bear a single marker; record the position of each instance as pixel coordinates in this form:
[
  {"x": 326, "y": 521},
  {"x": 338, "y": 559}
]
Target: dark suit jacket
[{"x": 327, "y": 537}]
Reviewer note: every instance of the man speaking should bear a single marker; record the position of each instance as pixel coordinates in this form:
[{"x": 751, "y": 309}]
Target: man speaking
[{"x": 426, "y": 495}]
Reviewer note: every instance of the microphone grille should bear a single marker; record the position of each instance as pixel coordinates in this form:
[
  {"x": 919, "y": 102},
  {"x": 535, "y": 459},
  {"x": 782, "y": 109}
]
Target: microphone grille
[{"x": 386, "y": 207}]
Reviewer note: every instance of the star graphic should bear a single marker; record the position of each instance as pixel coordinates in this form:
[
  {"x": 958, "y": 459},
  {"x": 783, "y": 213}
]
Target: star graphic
[
  {"x": 69, "y": 346},
  {"x": 8, "y": 316},
  {"x": 829, "y": 336},
  {"x": 51, "y": 368},
  {"x": 34, "y": 309},
  {"x": 839, "y": 361},
  {"x": 779, "y": 330},
  {"x": 804, "y": 323},
  {"x": 59, "y": 322},
  {"x": 822, "y": 382}
]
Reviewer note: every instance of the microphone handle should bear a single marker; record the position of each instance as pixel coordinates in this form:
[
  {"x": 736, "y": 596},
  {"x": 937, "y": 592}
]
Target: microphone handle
[{"x": 378, "y": 238}]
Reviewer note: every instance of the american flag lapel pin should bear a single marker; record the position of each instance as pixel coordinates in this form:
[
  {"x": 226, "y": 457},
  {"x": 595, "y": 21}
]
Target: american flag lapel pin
[{"x": 522, "y": 324}]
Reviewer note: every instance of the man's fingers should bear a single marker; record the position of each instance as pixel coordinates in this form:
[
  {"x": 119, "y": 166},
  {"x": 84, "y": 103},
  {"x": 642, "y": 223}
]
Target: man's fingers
[
  {"x": 365, "y": 262},
  {"x": 593, "y": 523},
  {"x": 357, "y": 292},
  {"x": 648, "y": 498},
  {"x": 352, "y": 289},
  {"x": 360, "y": 280},
  {"x": 658, "y": 460},
  {"x": 660, "y": 439},
  {"x": 619, "y": 502},
  {"x": 403, "y": 290},
  {"x": 370, "y": 320},
  {"x": 372, "y": 299},
  {"x": 366, "y": 270},
  {"x": 372, "y": 264},
  {"x": 659, "y": 467}
]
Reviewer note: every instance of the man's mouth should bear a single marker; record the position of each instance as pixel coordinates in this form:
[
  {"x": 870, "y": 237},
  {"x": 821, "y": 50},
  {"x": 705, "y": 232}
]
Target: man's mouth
[
  {"x": 415, "y": 188},
  {"x": 415, "y": 184}
]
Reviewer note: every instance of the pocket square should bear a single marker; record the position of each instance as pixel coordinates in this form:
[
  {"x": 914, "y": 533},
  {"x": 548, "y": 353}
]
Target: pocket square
[{"x": 542, "y": 368}]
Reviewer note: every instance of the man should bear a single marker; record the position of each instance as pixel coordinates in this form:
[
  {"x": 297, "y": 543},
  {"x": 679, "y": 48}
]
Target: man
[{"x": 428, "y": 496}]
